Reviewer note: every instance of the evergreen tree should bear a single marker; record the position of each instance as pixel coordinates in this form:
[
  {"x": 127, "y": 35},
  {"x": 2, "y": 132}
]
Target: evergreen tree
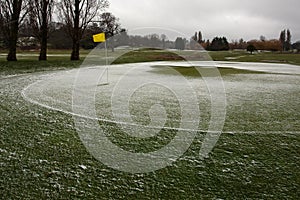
[
  {"x": 285, "y": 39},
  {"x": 288, "y": 40},
  {"x": 296, "y": 46},
  {"x": 251, "y": 48},
  {"x": 282, "y": 39},
  {"x": 219, "y": 44},
  {"x": 207, "y": 44},
  {"x": 195, "y": 37},
  {"x": 200, "y": 37}
]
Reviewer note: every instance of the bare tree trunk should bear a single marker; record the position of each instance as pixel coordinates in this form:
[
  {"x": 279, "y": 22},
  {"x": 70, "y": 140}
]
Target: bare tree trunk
[
  {"x": 112, "y": 44},
  {"x": 43, "y": 51},
  {"x": 76, "y": 15},
  {"x": 75, "y": 50},
  {"x": 76, "y": 37},
  {"x": 44, "y": 32},
  {"x": 13, "y": 32},
  {"x": 12, "y": 43}
]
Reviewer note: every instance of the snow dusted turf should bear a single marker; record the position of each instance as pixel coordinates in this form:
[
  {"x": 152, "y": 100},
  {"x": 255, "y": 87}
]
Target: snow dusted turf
[
  {"x": 251, "y": 82},
  {"x": 257, "y": 155}
]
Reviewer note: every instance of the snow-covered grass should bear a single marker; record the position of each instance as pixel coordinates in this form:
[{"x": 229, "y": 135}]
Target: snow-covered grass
[{"x": 257, "y": 156}]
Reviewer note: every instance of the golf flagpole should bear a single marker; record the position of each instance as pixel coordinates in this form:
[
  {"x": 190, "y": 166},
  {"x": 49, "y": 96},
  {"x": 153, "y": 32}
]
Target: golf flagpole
[
  {"x": 101, "y": 38},
  {"x": 106, "y": 61}
]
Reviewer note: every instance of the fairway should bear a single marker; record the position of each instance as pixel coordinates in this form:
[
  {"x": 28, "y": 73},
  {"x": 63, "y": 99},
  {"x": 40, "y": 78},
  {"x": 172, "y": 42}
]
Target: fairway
[
  {"x": 256, "y": 156},
  {"x": 244, "y": 83}
]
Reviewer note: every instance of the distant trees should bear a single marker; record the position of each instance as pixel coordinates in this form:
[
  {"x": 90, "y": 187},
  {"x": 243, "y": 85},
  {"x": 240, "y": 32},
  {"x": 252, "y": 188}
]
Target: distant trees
[
  {"x": 152, "y": 40},
  {"x": 288, "y": 40},
  {"x": 200, "y": 39},
  {"x": 122, "y": 39},
  {"x": 179, "y": 43},
  {"x": 267, "y": 45},
  {"x": 240, "y": 44},
  {"x": 219, "y": 44},
  {"x": 296, "y": 46},
  {"x": 87, "y": 40},
  {"x": 272, "y": 45},
  {"x": 282, "y": 39},
  {"x": 163, "y": 38},
  {"x": 59, "y": 39},
  {"x": 262, "y": 38},
  {"x": 76, "y": 15},
  {"x": 195, "y": 37},
  {"x": 285, "y": 39},
  {"x": 196, "y": 41},
  {"x": 261, "y": 44},
  {"x": 206, "y": 44}
]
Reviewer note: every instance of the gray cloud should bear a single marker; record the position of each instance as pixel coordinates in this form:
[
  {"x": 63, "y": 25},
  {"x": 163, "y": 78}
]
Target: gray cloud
[{"x": 231, "y": 18}]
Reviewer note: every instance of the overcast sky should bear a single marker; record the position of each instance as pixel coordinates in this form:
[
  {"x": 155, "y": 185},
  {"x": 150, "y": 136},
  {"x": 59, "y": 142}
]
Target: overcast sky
[{"x": 247, "y": 19}]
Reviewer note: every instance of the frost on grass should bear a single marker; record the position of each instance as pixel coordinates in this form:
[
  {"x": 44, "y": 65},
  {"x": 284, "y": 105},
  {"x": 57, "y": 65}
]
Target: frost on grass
[{"x": 42, "y": 156}]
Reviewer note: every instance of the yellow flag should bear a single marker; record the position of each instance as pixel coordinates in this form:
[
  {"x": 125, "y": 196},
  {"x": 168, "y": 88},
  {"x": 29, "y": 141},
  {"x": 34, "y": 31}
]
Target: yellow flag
[{"x": 99, "y": 37}]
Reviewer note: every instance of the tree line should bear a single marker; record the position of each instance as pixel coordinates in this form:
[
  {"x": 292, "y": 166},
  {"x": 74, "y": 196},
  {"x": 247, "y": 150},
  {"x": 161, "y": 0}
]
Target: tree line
[
  {"x": 79, "y": 19},
  {"x": 37, "y": 16},
  {"x": 282, "y": 44}
]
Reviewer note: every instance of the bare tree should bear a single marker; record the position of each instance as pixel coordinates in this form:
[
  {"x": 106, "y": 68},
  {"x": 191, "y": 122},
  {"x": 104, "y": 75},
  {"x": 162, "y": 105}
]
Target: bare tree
[
  {"x": 110, "y": 25},
  {"x": 12, "y": 12},
  {"x": 77, "y": 14},
  {"x": 39, "y": 17},
  {"x": 4, "y": 22}
]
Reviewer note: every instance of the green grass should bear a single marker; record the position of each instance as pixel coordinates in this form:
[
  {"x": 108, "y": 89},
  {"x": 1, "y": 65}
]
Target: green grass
[
  {"x": 41, "y": 155},
  {"x": 147, "y": 55},
  {"x": 30, "y": 66},
  {"x": 58, "y": 60},
  {"x": 267, "y": 57},
  {"x": 192, "y": 72},
  {"x": 49, "y": 51}
]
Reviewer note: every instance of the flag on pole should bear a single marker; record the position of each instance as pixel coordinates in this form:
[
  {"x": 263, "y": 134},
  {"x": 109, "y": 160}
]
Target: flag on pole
[{"x": 99, "y": 37}]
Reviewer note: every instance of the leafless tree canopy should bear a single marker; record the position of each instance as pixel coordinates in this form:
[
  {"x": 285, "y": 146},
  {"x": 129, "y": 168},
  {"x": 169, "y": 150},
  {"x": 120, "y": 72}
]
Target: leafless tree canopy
[
  {"x": 12, "y": 13},
  {"x": 39, "y": 11},
  {"x": 88, "y": 10},
  {"x": 9, "y": 11},
  {"x": 77, "y": 14},
  {"x": 39, "y": 18},
  {"x": 109, "y": 23}
]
